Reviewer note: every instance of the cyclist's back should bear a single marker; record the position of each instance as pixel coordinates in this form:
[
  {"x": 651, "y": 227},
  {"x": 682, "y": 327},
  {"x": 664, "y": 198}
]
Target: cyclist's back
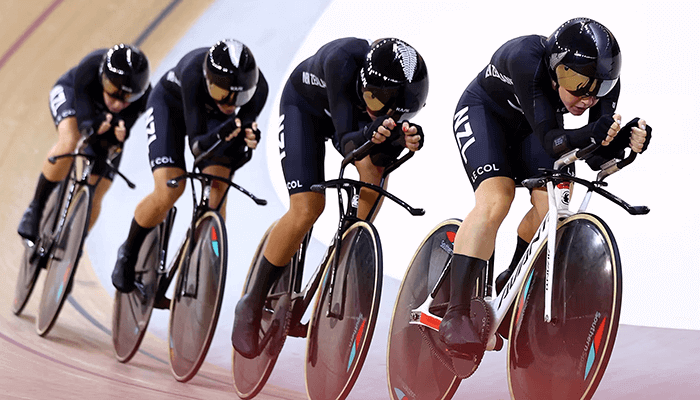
[{"x": 104, "y": 94}]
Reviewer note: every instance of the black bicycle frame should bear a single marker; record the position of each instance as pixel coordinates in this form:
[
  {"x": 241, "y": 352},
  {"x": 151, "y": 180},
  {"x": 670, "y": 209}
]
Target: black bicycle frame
[
  {"x": 203, "y": 206},
  {"x": 348, "y": 213}
]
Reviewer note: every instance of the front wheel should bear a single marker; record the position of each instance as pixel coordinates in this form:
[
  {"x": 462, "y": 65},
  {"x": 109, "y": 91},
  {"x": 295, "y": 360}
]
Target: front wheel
[
  {"x": 196, "y": 303},
  {"x": 63, "y": 259},
  {"x": 338, "y": 344},
  {"x": 418, "y": 366},
  {"x": 132, "y": 311},
  {"x": 566, "y": 358}
]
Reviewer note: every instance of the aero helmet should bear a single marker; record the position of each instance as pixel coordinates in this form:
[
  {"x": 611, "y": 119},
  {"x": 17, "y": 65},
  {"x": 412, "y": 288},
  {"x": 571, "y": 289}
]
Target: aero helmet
[
  {"x": 583, "y": 57},
  {"x": 230, "y": 72},
  {"x": 124, "y": 73},
  {"x": 393, "y": 77}
]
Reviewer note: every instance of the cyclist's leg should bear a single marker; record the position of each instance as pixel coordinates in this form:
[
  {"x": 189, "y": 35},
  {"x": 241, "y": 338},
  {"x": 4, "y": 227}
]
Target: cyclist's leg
[
  {"x": 476, "y": 239},
  {"x": 526, "y": 230},
  {"x": 286, "y": 236},
  {"x": 304, "y": 209},
  {"x": 150, "y": 212},
  {"x": 51, "y": 175},
  {"x": 166, "y": 153},
  {"x": 68, "y": 137},
  {"x": 302, "y": 151},
  {"x": 369, "y": 173},
  {"x": 529, "y": 157},
  {"x": 484, "y": 145},
  {"x": 100, "y": 190}
]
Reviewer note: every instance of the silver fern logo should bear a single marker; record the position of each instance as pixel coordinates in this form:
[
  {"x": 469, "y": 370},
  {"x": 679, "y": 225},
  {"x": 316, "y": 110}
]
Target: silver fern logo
[
  {"x": 408, "y": 58},
  {"x": 235, "y": 51}
]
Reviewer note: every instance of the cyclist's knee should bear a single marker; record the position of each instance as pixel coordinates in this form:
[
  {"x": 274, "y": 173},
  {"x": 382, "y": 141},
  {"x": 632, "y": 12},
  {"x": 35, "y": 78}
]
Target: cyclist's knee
[
  {"x": 493, "y": 203},
  {"x": 306, "y": 207},
  {"x": 540, "y": 202},
  {"x": 163, "y": 195},
  {"x": 68, "y": 136}
]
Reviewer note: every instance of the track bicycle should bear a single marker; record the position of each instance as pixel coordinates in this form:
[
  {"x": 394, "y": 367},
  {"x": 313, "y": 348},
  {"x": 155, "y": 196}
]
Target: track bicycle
[
  {"x": 348, "y": 281},
  {"x": 200, "y": 264},
  {"x": 559, "y": 310},
  {"x": 63, "y": 229}
]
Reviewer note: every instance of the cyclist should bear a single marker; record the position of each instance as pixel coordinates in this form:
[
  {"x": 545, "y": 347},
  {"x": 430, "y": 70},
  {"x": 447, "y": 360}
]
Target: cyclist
[
  {"x": 105, "y": 94},
  {"x": 211, "y": 93},
  {"x": 350, "y": 91},
  {"x": 508, "y": 123}
]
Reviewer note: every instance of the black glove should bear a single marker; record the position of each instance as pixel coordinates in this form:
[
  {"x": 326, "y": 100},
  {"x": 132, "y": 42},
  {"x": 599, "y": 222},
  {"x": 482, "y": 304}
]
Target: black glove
[
  {"x": 255, "y": 131},
  {"x": 580, "y": 138},
  {"x": 420, "y": 134},
  {"x": 371, "y": 128},
  {"x": 225, "y": 129},
  {"x": 601, "y": 128},
  {"x": 616, "y": 148},
  {"x": 635, "y": 123},
  {"x": 383, "y": 154}
]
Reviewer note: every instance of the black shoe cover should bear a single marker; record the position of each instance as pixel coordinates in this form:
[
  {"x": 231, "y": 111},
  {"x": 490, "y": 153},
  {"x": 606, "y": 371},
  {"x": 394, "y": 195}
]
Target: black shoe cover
[{"x": 124, "y": 273}]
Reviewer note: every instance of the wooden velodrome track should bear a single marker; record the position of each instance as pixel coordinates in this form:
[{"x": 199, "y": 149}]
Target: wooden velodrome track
[{"x": 41, "y": 40}]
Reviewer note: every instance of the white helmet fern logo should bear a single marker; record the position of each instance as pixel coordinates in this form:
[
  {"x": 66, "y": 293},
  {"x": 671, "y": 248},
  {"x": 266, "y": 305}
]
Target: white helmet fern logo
[
  {"x": 235, "y": 49},
  {"x": 408, "y": 57}
]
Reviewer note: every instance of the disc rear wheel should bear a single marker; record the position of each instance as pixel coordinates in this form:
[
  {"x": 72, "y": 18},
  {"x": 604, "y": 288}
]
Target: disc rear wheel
[
  {"x": 418, "y": 366},
  {"x": 32, "y": 261},
  {"x": 132, "y": 311},
  {"x": 250, "y": 375}
]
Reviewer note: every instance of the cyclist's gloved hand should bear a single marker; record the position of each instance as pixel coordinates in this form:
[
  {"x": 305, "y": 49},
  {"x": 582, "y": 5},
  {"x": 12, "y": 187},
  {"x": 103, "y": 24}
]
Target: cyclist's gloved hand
[
  {"x": 251, "y": 134},
  {"x": 384, "y": 153},
  {"x": 379, "y": 130},
  {"x": 227, "y": 128},
  {"x": 639, "y": 134},
  {"x": 603, "y": 128},
  {"x": 413, "y": 135},
  {"x": 630, "y": 135},
  {"x": 120, "y": 131},
  {"x": 201, "y": 143}
]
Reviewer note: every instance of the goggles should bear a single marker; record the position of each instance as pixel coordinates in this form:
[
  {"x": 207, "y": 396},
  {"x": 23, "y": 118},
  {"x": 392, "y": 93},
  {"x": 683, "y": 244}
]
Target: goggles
[
  {"x": 119, "y": 94},
  {"x": 379, "y": 100},
  {"x": 581, "y": 85},
  {"x": 229, "y": 97}
]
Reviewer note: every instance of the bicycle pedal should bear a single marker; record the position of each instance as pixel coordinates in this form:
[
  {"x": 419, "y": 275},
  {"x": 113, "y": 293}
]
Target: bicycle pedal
[
  {"x": 464, "y": 364},
  {"x": 498, "y": 343},
  {"x": 300, "y": 330},
  {"x": 162, "y": 303}
]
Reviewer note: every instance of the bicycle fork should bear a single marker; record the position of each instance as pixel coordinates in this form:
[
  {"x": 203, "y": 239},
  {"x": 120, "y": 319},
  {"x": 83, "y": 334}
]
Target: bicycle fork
[{"x": 345, "y": 221}]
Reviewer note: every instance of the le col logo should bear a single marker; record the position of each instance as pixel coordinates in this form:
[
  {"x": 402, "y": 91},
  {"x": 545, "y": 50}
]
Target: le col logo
[
  {"x": 293, "y": 184},
  {"x": 162, "y": 161},
  {"x": 484, "y": 169}
]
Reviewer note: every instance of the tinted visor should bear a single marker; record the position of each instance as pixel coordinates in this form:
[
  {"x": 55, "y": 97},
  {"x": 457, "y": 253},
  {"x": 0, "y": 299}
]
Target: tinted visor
[
  {"x": 581, "y": 85},
  {"x": 120, "y": 94},
  {"x": 229, "y": 97},
  {"x": 379, "y": 99}
]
